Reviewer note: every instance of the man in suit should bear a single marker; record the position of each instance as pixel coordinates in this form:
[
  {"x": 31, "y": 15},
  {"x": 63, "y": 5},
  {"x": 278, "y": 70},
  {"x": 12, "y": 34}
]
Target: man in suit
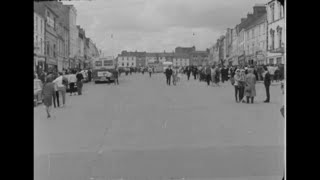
[
  {"x": 168, "y": 75},
  {"x": 267, "y": 82}
]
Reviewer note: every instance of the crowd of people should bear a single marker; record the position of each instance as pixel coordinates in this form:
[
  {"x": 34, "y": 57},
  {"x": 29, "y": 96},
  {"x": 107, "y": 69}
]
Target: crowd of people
[
  {"x": 243, "y": 78},
  {"x": 56, "y": 84}
]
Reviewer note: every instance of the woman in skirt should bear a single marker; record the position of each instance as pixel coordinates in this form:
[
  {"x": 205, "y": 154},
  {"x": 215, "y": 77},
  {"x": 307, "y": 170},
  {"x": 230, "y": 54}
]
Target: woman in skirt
[{"x": 48, "y": 92}]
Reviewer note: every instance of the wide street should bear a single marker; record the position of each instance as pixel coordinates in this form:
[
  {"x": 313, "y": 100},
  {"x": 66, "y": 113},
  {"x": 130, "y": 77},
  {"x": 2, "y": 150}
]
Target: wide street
[{"x": 144, "y": 129}]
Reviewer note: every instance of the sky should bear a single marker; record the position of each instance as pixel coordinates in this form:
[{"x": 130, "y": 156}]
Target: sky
[{"x": 158, "y": 25}]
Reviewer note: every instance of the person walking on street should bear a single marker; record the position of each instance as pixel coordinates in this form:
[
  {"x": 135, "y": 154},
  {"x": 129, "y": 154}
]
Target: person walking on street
[
  {"x": 213, "y": 75},
  {"x": 237, "y": 79},
  {"x": 61, "y": 88},
  {"x": 271, "y": 70},
  {"x": 194, "y": 72},
  {"x": 89, "y": 75},
  {"x": 47, "y": 92},
  {"x": 267, "y": 82},
  {"x": 217, "y": 76},
  {"x": 72, "y": 82},
  {"x": 150, "y": 71},
  {"x": 188, "y": 71},
  {"x": 168, "y": 73},
  {"x": 175, "y": 75},
  {"x": 250, "y": 89},
  {"x": 56, "y": 96},
  {"x": 116, "y": 77},
  {"x": 79, "y": 82},
  {"x": 241, "y": 85},
  {"x": 208, "y": 74}
]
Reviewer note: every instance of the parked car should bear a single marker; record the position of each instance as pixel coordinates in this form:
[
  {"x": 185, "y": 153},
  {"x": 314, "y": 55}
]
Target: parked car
[{"x": 37, "y": 90}]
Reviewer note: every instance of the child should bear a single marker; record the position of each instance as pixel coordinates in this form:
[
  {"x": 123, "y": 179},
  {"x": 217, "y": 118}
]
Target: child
[{"x": 48, "y": 92}]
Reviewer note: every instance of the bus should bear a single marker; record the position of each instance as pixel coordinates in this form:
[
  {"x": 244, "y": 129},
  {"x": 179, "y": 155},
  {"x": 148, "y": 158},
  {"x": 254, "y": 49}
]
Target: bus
[{"x": 103, "y": 69}]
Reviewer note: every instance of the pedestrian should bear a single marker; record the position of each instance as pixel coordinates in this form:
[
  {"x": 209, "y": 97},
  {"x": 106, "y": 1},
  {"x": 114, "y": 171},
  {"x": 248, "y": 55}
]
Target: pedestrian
[
  {"x": 250, "y": 89},
  {"x": 56, "y": 96},
  {"x": 276, "y": 74},
  {"x": 237, "y": 79},
  {"x": 213, "y": 75},
  {"x": 150, "y": 71},
  {"x": 168, "y": 73},
  {"x": 89, "y": 75},
  {"x": 241, "y": 85},
  {"x": 42, "y": 77},
  {"x": 47, "y": 92},
  {"x": 271, "y": 70},
  {"x": 267, "y": 82},
  {"x": 222, "y": 74},
  {"x": 116, "y": 77},
  {"x": 208, "y": 74},
  {"x": 61, "y": 88},
  {"x": 72, "y": 79},
  {"x": 188, "y": 71},
  {"x": 217, "y": 76},
  {"x": 194, "y": 72},
  {"x": 175, "y": 75},
  {"x": 80, "y": 78}
]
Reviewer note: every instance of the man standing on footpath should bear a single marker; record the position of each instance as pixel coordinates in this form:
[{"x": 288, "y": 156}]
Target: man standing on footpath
[
  {"x": 79, "y": 82},
  {"x": 267, "y": 82},
  {"x": 168, "y": 73}
]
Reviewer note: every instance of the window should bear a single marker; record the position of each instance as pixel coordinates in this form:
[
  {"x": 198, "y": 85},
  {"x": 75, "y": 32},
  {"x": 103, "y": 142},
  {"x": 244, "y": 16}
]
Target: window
[
  {"x": 127, "y": 64},
  {"x": 132, "y": 64},
  {"x": 41, "y": 46},
  {"x": 271, "y": 61},
  {"x": 280, "y": 11},
  {"x": 252, "y": 32},
  {"x": 41, "y": 22},
  {"x": 48, "y": 48},
  {"x": 272, "y": 39},
  {"x": 54, "y": 50},
  {"x": 36, "y": 24},
  {"x": 122, "y": 64},
  {"x": 279, "y": 30},
  {"x": 272, "y": 12},
  {"x": 279, "y": 60},
  {"x": 252, "y": 47}
]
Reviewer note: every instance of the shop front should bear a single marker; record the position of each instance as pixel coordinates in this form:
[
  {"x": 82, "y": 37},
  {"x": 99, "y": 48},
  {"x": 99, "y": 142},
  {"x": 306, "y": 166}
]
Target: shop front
[
  {"x": 261, "y": 58},
  {"x": 38, "y": 63},
  {"x": 51, "y": 65},
  {"x": 275, "y": 58}
]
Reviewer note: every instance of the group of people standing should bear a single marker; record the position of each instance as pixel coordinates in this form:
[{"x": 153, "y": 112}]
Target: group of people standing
[
  {"x": 244, "y": 81},
  {"x": 55, "y": 85}
]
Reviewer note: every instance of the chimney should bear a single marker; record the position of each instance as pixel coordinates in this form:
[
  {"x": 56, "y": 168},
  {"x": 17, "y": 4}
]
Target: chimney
[
  {"x": 259, "y": 10},
  {"x": 249, "y": 16}
]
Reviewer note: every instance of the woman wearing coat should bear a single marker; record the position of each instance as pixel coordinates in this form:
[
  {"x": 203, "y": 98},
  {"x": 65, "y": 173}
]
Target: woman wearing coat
[
  {"x": 237, "y": 78},
  {"x": 250, "y": 89}
]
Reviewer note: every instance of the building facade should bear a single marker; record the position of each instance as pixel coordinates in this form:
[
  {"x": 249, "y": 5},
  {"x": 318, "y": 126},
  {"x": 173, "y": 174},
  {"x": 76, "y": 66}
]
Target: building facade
[
  {"x": 256, "y": 41},
  {"x": 181, "y": 60},
  {"x": 73, "y": 35},
  {"x": 80, "y": 47},
  {"x": 276, "y": 32},
  {"x": 39, "y": 42}
]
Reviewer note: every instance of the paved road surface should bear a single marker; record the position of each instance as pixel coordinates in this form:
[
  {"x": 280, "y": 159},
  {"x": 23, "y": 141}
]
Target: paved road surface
[{"x": 143, "y": 129}]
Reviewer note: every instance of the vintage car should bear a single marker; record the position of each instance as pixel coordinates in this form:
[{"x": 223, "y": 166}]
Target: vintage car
[{"x": 37, "y": 90}]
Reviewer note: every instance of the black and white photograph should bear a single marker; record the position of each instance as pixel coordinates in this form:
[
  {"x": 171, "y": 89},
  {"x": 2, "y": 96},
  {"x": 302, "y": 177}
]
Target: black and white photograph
[{"x": 159, "y": 89}]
